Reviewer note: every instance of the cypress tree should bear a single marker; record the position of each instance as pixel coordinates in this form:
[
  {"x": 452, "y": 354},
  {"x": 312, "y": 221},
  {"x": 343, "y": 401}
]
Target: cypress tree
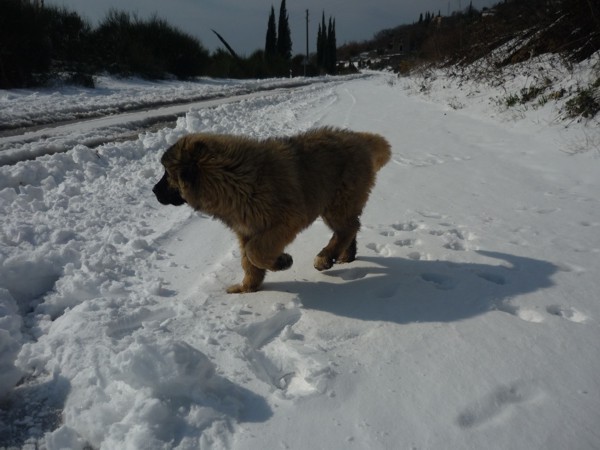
[
  {"x": 320, "y": 46},
  {"x": 284, "y": 36},
  {"x": 327, "y": 46},
  {"x": 331, "y": 47},
  {"x": 271, "y": 39}
]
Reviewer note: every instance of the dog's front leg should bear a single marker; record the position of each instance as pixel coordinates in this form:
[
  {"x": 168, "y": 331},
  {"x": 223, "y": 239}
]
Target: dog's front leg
[
  {"x": 265, "y": 250},
  {"x": 253, "y": 276}
]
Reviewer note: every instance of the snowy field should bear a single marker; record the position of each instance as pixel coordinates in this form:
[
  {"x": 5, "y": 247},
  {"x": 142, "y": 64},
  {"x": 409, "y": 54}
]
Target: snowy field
[{"x": 470, "y": 319}]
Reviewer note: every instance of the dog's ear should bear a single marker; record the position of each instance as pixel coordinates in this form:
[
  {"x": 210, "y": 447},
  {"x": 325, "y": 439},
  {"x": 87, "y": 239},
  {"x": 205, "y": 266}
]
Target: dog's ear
[
  {"x": 195, "y": 155},
  {"x": 188, "y": 174}
]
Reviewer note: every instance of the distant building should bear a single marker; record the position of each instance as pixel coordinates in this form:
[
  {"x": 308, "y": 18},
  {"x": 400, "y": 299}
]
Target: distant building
[{"x": 488, "y": 13}]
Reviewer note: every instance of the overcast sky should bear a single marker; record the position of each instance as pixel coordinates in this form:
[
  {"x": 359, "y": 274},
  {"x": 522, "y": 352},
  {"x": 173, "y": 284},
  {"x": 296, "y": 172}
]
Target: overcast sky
[{"x": 243, "y": 23}]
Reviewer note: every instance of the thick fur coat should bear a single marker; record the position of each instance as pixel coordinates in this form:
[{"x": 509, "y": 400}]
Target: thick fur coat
[{"x": 267, "y": 191}]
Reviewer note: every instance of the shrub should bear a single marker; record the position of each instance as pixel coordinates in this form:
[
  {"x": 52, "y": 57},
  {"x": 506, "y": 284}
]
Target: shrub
[
  {"x": 126, "y": 45},
  {"x": 586, "y": 103},
  {"x": 38, "y": 45},
  {"x": 24, "y": 48}
]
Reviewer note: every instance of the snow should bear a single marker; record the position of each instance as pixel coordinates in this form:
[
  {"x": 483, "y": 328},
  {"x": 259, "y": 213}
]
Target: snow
[
  {"x": 26, "y": 107},
  {"x": 34, "y": 123},
  {"x": 469, "y": 320}
]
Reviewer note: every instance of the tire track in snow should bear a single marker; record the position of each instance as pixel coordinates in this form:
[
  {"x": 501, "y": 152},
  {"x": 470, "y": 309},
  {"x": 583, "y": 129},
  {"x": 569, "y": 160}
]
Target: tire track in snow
[{"x": 32, "y": 142}]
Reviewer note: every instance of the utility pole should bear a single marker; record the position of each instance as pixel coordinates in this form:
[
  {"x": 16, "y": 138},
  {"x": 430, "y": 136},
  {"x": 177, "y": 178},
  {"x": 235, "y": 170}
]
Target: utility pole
[{"x": 306, "y": 60}]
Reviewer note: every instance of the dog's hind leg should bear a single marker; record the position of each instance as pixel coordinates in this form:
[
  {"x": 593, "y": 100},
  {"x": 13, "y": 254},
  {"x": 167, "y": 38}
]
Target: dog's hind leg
[
  {"x": 349, "y": 254},
  {"x": 342, "y": 245}
]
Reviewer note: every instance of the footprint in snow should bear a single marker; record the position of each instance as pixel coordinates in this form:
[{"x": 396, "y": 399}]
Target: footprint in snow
[
  {"x": 528, "y": 315},
  {"x": 416, "y": 256},
  {"x": 380, "y": 249},
  {"x": 533, "y": 316},
  {"x": 498, "y": 403},
  {"x": 567, "y": 313},
  {"x": 354, "y": 274},
  {"x": 406, "y": 242},
  {"x": 566, "y": 267},
  {"x": 406, "y": 226},
  {"x": 439, "y": 281},
  {"x": 455, "y": 238},
  {"x": 387, "y": 291},
  {"x": 455, "y": 245},
  {"x": 492, "y": 278}
]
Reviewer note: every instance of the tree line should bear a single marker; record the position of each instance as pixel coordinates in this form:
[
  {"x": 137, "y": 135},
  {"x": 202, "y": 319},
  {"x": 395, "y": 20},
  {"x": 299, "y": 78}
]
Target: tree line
[{"x": 45, "y": 44}]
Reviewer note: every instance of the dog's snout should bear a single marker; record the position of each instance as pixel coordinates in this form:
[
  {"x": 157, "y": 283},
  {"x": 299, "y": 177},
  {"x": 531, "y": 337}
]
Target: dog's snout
[{"x": 165, "y": 194}]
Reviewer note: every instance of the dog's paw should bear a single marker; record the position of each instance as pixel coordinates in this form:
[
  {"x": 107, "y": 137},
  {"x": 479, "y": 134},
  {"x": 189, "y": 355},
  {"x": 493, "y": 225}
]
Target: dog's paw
[
  {"x": 241, "y": 289},
  {"x": 349, "y": 254},
  {"x": 283, "y": 262},
  {"x": 345, "y": 258},
  {"x": 323, "y": 263}
]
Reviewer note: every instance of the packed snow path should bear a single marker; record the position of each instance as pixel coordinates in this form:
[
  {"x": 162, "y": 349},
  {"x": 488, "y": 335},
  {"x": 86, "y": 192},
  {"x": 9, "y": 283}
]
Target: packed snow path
[
  {"x": 469, "y": 320},
  {"x": 33, "y": 124}
]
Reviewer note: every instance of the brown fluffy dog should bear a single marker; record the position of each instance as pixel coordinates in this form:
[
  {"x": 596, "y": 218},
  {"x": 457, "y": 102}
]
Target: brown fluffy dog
[{"x": 267, "y": 191}]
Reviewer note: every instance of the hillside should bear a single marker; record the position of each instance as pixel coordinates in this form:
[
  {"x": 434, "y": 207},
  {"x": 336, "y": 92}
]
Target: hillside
[
  {"x": 567, "y": 27},
  {"x": 498, "y": 44}
]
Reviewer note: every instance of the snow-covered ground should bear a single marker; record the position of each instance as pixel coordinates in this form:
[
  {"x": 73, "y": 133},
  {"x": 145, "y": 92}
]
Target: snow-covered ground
[
  {"x": 35, "y": 123},
  {"x": 469, "y": 320},
  {"x": 26, "y": 107}
]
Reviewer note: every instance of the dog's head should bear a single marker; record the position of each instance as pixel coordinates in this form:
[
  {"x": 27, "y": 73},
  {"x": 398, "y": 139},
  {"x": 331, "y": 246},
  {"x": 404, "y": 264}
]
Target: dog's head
[{"x": 180, "y": 173}]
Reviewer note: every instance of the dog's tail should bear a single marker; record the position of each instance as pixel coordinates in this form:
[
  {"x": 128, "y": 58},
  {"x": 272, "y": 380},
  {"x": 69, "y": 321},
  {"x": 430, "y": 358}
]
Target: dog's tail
[{"x": 380, "y": 149}]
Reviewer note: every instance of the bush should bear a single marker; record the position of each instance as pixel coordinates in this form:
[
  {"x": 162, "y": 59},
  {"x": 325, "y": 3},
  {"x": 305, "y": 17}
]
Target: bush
[
  {"x": 224, "y": 65},
  {"x": 126, "y": 45},
  {"x": 38, "y": 45},
  {"x": 24, "y": 48},
  {"x": 586, "y": 103}
]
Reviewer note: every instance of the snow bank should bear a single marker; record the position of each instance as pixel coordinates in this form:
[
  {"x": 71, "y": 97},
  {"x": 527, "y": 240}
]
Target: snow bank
[
  {"x": 536, "y": 90},
  {"x": 10, "y": 342}
]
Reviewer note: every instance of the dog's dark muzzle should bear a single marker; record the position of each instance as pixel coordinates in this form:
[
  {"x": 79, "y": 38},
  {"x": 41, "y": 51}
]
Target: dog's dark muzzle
[{"x": 165, "y": 194}]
